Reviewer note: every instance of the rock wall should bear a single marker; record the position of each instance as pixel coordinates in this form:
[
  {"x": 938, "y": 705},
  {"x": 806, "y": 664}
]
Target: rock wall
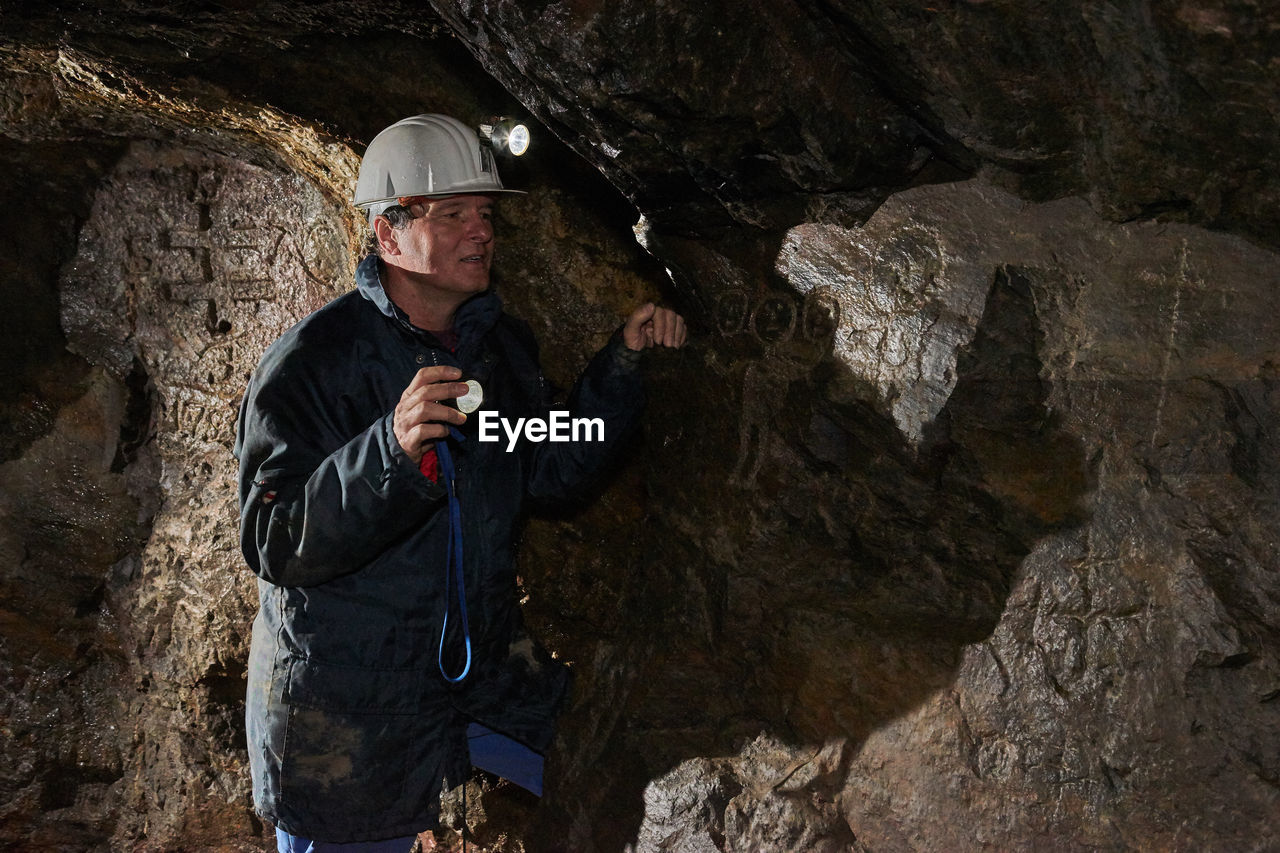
[
  {"x": 188, "y": 266},
  {"x": 952, "y": 528},
  {"x": 1118, "y": 696}
]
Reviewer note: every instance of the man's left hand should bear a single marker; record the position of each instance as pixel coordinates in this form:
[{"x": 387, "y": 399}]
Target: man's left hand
[{"x": 650, "y": 326}]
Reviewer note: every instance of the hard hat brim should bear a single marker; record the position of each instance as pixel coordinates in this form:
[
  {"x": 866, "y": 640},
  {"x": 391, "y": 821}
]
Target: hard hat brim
[{"x": 393, "y": 200}]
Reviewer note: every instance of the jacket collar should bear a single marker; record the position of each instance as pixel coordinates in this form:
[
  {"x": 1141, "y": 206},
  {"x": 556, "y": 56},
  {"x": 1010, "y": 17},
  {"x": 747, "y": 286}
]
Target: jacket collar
[{"x": 472, "y": 321}]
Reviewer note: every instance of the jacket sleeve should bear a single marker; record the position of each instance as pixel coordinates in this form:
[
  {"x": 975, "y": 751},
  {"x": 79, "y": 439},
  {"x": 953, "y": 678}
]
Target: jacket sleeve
[
  {"x": 610, "y": 390},
  {"x": 309, "y": 511}
]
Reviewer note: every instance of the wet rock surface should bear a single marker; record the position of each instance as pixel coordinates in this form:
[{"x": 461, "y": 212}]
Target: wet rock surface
[{"x": 952, "y": 528}]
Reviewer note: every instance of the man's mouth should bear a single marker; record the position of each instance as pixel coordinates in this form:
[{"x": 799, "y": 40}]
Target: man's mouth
[{"x": 473, "y": 259}]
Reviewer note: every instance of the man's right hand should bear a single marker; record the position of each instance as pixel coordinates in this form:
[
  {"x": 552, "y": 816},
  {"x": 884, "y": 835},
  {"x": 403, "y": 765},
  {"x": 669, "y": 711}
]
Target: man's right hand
[{"x": 420, "y": 418}]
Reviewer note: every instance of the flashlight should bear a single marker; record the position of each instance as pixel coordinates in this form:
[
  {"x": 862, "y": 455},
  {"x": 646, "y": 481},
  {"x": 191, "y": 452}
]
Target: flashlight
[{"x": 506, "y": 135}]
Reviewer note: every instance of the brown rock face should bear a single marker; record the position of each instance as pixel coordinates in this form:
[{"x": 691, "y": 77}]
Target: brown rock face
[
  {"x": 1087, "y": 382},
  {"x": 188, "y": 266},
  {"x": 953, "y": 527},
  {"x": 761, "y": 113}
]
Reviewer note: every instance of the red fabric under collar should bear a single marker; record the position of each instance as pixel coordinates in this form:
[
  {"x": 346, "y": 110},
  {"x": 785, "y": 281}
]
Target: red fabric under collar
[{"x": 430, "y": 465}]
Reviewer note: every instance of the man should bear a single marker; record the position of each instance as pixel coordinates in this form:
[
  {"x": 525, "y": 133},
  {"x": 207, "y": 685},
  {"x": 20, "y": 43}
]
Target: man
[{"x": 381, "y": 526}]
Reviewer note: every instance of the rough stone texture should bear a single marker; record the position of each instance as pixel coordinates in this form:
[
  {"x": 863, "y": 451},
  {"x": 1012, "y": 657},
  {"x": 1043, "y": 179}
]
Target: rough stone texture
[
  {"x": 1120, "y": 700},
  {"x": 953, "y": 527},
  {"x": 65, "y": 518},
  {"x": 182, "y": 275},
  {"x": 698, "y": 118},
  {"x": 189, "y": 265},
  {"x": 771, "y": 797},
  {"x": 762, "y": 113}
]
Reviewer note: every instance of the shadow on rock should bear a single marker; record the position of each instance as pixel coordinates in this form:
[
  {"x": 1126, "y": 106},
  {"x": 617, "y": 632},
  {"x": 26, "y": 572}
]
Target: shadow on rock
[{"x": 816, "y": 584}]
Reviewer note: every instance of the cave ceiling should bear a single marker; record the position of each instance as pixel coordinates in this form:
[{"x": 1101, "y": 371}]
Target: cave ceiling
[{"x": 761, "y": 114}]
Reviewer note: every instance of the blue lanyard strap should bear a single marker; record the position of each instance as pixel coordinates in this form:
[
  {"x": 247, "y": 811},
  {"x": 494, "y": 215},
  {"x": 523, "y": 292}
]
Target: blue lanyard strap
[{"x": 453, "y": 563}]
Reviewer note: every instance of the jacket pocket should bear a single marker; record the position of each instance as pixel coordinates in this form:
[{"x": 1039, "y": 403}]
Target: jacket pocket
[
  {"x": 264, "y": 489},
  {"x": 352, "y": 689}
]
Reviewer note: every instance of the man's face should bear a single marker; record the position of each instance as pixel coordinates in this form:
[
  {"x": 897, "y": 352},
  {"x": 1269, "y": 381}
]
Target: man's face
[{"x": 449, "y": 243}]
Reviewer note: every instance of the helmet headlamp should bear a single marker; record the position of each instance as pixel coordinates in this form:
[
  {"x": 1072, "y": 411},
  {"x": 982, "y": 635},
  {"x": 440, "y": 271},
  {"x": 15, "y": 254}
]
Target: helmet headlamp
[{"x": 506, "y": 135}]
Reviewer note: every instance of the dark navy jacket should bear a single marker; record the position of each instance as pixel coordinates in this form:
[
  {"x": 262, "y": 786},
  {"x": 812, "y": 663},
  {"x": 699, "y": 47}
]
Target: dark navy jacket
[{"x": 351, "y": 726}]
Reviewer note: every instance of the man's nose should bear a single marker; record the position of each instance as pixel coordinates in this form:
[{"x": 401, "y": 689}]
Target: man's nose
[{"x": 480, "y": 229}]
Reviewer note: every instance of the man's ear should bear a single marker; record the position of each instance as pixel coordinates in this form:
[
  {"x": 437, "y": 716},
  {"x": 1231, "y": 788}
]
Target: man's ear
[{"x": 386, "y": 236}]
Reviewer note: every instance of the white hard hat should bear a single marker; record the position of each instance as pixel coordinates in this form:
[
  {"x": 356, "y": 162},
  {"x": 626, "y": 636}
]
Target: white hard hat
[{"x": 427, "y": 155}]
